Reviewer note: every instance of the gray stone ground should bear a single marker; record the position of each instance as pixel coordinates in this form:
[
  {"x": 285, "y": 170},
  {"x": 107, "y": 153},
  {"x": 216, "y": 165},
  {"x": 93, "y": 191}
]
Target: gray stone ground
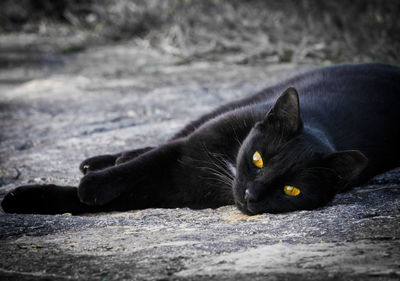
[{"x": 113, "y": 98}]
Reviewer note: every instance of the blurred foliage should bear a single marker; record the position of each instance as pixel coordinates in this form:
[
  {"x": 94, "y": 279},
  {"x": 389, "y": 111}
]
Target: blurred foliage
[{"x": 236, "y": 31}]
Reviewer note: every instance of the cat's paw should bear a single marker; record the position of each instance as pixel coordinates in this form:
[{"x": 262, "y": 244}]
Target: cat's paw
[
  {"x": 97, "y": 188},
  {"x": 97, "y": 163},
  {"x": 28, "y": 199}
]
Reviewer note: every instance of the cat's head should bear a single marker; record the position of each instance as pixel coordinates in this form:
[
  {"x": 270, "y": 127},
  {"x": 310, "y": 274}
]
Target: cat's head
[{"x": 282, "y": 166}]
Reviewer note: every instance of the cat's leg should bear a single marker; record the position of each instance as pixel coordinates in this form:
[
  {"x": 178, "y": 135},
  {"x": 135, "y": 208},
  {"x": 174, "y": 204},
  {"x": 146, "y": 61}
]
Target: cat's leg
[
  {"x": 44, "y": 199},
  {"x": 146, "y": 180},
  {"x": 132, "y": 154},
  {"x": 53, "y": 199},
  {"x": 108, "y": 160}
]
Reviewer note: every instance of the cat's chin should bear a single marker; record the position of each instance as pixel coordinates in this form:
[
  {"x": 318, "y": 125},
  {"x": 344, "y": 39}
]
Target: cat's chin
[
  {"x": 241, "y": 206},
  {"x": 252, "y": 209},
  {"x": 246, "y": 209}
]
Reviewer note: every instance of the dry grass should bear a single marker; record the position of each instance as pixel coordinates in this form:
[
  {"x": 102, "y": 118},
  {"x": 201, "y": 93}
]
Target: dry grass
[{"x": 242, "y": 32}]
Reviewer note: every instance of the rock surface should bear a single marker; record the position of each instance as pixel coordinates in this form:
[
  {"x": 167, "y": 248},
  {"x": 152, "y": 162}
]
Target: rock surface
[{"x": 113, "y": 98}]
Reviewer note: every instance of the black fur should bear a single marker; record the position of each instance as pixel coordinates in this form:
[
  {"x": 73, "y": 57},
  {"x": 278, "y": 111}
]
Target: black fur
[{"x": 318, "y": 140}]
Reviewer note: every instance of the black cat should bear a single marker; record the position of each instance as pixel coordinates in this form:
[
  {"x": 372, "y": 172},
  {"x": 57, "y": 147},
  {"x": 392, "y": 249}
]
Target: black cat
[{"x": 263, "y": 155}]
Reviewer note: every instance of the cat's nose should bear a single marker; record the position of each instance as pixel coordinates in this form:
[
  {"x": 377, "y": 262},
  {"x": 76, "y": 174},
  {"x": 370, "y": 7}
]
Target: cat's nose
[
  {"x": 250, "y": 195},
  {"x": 253, "y": 192}
]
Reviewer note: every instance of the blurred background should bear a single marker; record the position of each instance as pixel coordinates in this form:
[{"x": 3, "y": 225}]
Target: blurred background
[{"x": 234, "y": 31}]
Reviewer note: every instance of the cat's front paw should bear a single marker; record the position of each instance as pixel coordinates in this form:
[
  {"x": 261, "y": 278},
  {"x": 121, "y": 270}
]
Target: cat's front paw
[
  {"x": 97, "y": 188},
  {"x": 97, "y": 163},
  {"x": 28, "y": 199}
]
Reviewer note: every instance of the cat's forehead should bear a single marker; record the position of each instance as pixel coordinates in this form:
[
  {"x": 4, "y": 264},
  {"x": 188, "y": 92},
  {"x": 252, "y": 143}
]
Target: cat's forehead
[
  {"x": 266, "y": 142},
  {"x": 277, "y": 150}
]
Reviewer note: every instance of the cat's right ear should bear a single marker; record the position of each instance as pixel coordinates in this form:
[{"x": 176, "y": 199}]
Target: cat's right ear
[
  {"x": 346, "y": 164},
  {"x": 284, "y": 116}
]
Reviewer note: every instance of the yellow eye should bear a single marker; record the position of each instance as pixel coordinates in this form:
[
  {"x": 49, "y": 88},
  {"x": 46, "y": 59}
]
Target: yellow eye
[
  {"x": 257, "y": 160},
  {"x": 291, "y": 190}
]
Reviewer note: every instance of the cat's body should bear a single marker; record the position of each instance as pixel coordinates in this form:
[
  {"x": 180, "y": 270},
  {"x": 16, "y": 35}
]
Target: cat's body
[{"x": 262, "y": 152}]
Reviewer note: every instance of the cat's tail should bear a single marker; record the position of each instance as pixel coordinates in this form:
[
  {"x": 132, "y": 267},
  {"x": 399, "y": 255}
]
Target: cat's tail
[{"x": 46, "y": 199}]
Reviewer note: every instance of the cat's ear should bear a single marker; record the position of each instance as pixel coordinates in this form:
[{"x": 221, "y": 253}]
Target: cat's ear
[
  {"x": 346, "y": 164},
  {"x": 284, "y": 116}
]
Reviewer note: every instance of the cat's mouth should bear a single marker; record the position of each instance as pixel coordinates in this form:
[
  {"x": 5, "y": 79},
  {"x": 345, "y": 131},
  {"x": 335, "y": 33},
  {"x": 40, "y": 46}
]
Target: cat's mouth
[
  {"x": 254, "y": 208},
  {"x": 242, "y": 206},
  {"x": 245, "y": 208},
  {"x": 239, "y": 190}
]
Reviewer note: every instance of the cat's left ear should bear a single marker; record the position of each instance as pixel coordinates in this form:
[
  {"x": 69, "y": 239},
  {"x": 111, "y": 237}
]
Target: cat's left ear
[
  {"x": 346, "y": 164},
  {"x": 284, "y": 116}
]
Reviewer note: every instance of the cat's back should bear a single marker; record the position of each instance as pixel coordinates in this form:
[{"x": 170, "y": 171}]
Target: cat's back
[
  {"x": 366, "y": 82},
  {"x": 340, "y": 86},
  {"x": 328, "y": 95},
  {"x": 357, "y": 106},
  {"x": 363, "y": 94},
  {"x": 340, "y": 83}
]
